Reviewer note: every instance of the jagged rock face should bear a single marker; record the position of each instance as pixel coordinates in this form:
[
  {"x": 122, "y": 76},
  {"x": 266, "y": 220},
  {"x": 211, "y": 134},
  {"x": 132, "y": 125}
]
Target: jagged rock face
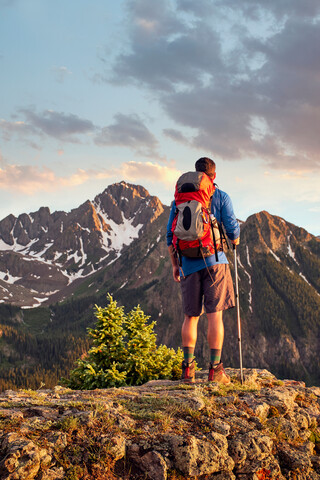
[
  {"x": 264, "y": 232},
  {"x": 263, "y": 429},
  {"x": 125, "y": 202},
  {"x": 61, "y": 247}
]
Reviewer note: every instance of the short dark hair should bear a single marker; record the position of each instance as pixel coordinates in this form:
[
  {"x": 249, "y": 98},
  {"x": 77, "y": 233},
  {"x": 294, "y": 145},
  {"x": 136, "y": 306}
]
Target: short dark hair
[{"x": 206, "y": 165}]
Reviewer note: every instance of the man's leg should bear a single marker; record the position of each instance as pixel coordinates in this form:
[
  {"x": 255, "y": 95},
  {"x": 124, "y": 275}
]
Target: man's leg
[
  {"x": 189, "y": 331},
  {"x": 189, "y": 339},
  {"x": 215, "y": 340},
  {"x": 217, "y": 297},
  {"x": 215, "y": 330}
]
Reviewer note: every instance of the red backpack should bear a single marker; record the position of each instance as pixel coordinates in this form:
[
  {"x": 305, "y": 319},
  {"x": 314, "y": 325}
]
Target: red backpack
[{"x": 196, "y": 232}]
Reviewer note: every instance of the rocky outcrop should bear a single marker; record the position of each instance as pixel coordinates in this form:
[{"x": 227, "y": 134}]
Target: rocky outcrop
[{"x": 264, "y": 429}]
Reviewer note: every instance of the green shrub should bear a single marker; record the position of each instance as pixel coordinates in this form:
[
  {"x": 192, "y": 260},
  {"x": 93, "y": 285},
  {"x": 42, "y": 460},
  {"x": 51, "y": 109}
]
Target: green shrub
[{"x": 124, "y": 352}]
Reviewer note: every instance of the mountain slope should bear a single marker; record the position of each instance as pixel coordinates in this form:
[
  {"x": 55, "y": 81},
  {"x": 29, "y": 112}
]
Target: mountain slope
[
  {"x": 280, "y": 277},
  {"x": 105, "y": 251},
  {"x": 42, "y": 253}
]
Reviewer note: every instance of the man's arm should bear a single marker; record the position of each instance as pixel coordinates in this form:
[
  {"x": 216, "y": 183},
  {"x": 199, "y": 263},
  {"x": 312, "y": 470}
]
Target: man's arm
[
  {"x": 229, "y": 219},
  {"x": 174, "y": 263}
]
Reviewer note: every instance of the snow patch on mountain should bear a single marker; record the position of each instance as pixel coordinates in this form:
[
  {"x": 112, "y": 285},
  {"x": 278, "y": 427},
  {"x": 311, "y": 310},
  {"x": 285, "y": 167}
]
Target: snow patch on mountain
[
  {"x": 304, "y": 278},
  {"x": 274, "y": 255},
  {"x": 290, "y": 251},
  {"x": 119, "y": 235},
  {"x": 248, "y": 256},
  {"x": 9, "y": 278}
]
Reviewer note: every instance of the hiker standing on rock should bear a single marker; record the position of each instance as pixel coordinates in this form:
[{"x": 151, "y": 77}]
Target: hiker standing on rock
[{"x": 195, "y": 241}]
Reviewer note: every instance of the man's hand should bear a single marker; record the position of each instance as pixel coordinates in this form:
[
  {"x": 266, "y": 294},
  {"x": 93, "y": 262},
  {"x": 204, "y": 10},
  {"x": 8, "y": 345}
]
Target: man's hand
[
  {"x": 174, "y": 263},
  {"x": 236, "y": 241},
  {"x": 176, "y": 273}
]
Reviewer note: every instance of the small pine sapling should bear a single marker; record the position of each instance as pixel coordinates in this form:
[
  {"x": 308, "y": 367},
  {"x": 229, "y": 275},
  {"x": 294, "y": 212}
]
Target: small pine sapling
[{"x": 124, "y": 352}]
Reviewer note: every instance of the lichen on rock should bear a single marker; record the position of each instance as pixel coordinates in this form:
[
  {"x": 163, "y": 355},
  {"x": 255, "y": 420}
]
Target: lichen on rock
[{"x": 265, "y": 429}]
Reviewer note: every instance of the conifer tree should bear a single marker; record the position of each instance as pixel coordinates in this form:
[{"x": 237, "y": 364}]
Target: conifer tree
[{"x": 124, "y": 352}]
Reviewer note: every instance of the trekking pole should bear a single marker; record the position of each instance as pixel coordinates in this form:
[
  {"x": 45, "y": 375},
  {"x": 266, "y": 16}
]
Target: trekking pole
[{"x": 238, "y": 310}]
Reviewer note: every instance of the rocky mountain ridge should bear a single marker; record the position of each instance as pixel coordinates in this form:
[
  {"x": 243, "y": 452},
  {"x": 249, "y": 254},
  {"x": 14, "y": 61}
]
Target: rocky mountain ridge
[
  {"x": 265, "y": 429},
  {"x": 42, "y": 253}
]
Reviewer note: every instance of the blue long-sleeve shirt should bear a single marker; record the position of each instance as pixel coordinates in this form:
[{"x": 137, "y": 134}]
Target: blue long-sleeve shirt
[{"x": 222, "y": 209}]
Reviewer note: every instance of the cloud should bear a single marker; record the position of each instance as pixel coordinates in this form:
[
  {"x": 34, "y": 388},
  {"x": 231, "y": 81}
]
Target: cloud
[
  {"x": 298, "y": 187},
  {"x": 170, "y": 54},
  {"x": 286, "y": 8},
  {"x": 252, "y": 10},
  {"x": 59, "y": 125},
  {"x": 29, "y": 179},
  {"x": 20, "y": 128},
  {"x": 217, "y": 68},
  {"x": 128, "y": 131},
  {"x": 175, "y": 135},
  {"x": 151, "y": 171}
]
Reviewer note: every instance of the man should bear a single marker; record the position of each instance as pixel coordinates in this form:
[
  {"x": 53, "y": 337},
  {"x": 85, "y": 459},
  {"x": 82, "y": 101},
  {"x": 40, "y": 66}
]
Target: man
[{"x": 208, "y": 282}]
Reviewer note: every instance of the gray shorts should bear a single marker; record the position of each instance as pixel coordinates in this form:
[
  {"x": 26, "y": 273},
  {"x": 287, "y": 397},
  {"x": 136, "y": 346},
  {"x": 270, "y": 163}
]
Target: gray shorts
[{"x": 217, "y": 295}]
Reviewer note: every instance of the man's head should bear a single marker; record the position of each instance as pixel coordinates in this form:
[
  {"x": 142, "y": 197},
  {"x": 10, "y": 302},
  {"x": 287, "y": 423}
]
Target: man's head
[{"x": 207, "y": 166}]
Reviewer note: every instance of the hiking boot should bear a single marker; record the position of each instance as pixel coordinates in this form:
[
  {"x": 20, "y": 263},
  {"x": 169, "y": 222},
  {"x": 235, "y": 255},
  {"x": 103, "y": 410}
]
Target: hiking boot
[
  {"x": 217, "y": 374},
  {"x": 188, "y": 370}
]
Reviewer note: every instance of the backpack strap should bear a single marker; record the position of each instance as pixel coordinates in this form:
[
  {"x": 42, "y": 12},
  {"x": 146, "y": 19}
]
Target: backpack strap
[
  {"x": 214, "y": 241},
  {"x": 223, "y": 235}
]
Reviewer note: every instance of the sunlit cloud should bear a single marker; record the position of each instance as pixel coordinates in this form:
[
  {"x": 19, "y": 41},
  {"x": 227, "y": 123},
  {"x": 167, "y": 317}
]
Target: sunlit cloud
[
  {"x": 248, "y": 89},
  {"x": 296, "y": 186},
  {"x": 20, "y": 128},
  {"x": 150, "y": 171},
  {"x": 147, "y": 25},
  {"x": 30, "y": 179}
]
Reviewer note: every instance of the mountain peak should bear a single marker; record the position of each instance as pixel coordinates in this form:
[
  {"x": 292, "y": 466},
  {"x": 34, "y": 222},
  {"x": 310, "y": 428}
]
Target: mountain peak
[
  {"x": 270, "y": 232},
  {"x": 124, "y": 201},
  {"x": 60, "y": 248}
]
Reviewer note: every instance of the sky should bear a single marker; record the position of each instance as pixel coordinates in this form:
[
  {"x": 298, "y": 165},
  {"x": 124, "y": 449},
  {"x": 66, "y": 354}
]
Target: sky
[{"x": 94, "y": 92}]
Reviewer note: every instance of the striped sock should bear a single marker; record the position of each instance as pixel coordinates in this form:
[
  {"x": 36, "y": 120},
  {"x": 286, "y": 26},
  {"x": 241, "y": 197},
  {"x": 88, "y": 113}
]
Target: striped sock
[
  {"x": 188, "y": 354},
  {"x": 215, "y": 356}
]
